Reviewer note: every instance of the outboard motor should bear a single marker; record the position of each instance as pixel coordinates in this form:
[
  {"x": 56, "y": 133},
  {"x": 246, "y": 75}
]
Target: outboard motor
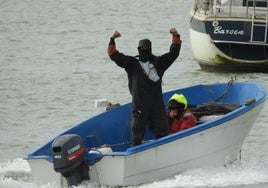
[{"x": 69, "y": 158}]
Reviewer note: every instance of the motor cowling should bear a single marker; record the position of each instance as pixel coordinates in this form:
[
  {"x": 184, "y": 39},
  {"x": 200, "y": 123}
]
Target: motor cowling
[{"x": 68, "y": 153}]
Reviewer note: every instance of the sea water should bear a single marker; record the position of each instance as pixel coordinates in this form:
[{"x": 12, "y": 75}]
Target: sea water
[{"x": 54, "y": 65}]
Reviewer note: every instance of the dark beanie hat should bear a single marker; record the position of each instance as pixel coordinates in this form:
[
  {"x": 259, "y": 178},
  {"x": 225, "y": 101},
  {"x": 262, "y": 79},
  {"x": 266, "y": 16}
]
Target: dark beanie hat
[{"x": 145, "y": 43}]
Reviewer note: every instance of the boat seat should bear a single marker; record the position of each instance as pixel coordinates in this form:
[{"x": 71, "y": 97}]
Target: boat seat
[{"x": 103, "y": 150}]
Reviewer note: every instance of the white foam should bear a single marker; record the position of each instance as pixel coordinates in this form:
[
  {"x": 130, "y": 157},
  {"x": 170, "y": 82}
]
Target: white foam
[
  {"x": 14, "y": 165},
  {"x": 16, "y": 174},
  {"x": 244, "y": 173}
]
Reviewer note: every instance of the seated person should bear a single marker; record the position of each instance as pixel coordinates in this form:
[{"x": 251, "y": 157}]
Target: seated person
[{"x": 179, "y": 117}]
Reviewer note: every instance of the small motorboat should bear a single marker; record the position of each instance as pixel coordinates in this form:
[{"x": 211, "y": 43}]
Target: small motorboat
[
  {"x": 99, "y": 151},
  {"x": 230, "y": 35}
]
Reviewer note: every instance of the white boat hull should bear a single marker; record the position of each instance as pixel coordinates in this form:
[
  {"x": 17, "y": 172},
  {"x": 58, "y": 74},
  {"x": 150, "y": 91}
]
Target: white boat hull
[
  {"x": 204, "y": 50},
  {"x": 218, "y": 145}
]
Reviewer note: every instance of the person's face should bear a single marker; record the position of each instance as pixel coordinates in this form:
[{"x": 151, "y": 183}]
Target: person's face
[{"x": 173, "y": 113}]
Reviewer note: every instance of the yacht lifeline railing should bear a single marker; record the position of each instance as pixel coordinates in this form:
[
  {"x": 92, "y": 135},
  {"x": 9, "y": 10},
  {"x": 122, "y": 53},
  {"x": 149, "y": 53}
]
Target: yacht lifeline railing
[{"x": 213, "y": 8}]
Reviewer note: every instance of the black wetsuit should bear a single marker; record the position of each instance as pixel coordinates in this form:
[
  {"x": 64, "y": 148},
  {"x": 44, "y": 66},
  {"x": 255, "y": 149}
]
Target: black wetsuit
[{"x": 148, "y": 108}]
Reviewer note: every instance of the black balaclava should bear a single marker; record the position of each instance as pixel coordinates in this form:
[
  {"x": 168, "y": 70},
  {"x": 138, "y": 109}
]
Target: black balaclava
[{"x": 145, "y": 50}]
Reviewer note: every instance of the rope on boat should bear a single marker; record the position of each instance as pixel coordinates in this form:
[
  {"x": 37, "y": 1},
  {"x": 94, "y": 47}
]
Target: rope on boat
[{"x": 227, "y": 89}]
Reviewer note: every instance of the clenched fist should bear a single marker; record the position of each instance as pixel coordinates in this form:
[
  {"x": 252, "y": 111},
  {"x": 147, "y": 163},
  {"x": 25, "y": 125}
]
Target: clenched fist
[
  {"x": 173, "y": 31},
  {"x": 116, "y": 34}
]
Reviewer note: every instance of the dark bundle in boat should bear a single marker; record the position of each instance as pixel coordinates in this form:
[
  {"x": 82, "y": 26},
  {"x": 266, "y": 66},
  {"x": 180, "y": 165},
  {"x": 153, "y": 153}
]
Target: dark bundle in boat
[{"x": 213, "y": 108}]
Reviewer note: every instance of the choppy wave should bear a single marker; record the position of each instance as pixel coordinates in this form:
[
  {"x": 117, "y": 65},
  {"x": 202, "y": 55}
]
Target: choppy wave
[{"x": 249, "y": 173}]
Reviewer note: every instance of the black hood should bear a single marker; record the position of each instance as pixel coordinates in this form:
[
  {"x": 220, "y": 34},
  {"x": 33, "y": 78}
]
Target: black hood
[{"x": 145, "y": 50}]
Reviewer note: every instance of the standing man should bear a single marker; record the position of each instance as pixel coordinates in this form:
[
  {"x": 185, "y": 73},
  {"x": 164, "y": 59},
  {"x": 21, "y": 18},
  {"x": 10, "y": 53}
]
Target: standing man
[{"x": 145, "y": 73}]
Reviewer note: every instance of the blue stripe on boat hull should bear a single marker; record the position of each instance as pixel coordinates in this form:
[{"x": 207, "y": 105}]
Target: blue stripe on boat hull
[{"x": 227, "y": 30}]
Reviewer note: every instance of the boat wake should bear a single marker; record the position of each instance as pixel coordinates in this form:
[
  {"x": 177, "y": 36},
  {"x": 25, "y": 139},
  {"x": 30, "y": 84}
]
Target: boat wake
[
  {"x": 16, "y": 173},
  {"x": 250, "y": 173}
]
